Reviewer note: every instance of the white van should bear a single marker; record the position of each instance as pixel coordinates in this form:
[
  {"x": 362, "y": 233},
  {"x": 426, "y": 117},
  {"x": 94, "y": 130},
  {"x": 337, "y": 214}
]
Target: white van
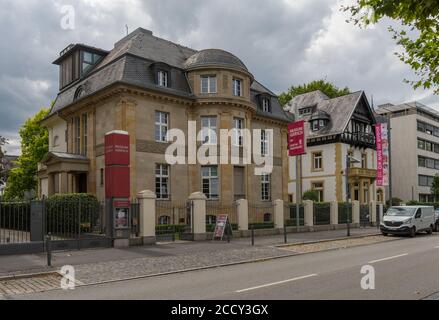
[{"x": 408, "y": 220}]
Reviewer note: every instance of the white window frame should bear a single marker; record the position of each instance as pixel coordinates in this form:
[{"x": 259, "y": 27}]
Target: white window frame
[
  {"x": 84, "y": 134},
  {"x": 208, "y": 181},
  {"x": 162, "y": 78},
  {"x": 265, "y": 143},
  {"x": 77, "y": 129},
  {"x": 237, "y": 87},
  {"x": 211, "y": 84},
  {"x": 238, "y": 125},
  {"x": 318, "y": 161},
  {"x": 266, "y": 187},
  {"x": 162, "y": 181},
  {"x": 162, "y": 125},
  {"x": 266, "y": 105},
  {"x": 209, "y": 131}
]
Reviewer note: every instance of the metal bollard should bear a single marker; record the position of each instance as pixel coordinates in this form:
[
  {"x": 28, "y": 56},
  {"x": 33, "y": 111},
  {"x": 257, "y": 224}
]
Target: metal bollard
[
  {"x": 229, "y": 230},
  {"x": 49, "y": 250},
  {"x": 253, "y": 235},
  {"x": 285, "y": 234}
]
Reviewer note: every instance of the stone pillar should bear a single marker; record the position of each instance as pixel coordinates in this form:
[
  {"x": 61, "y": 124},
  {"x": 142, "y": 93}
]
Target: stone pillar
[
  {"x": 355, "y": 212},
  {"x": 242, "y": 214},
  {"x": 381, "y": 212},
  {"x": 334, "y": 212},
  {"x": 50, "y": 184},
  {"x": 64, "y": 186},
  {"x": 198, "y": 215},
  {"x": 309, "y": 213},
  {"x": 373, "y": 212},
  {"x": 279, "y": 214},
  {"x": 147, "y": 216}
]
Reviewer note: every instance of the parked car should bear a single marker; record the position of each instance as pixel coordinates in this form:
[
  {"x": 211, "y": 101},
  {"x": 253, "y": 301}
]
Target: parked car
[
  {"x": 436, "y": 219},
  {"x": 408, "y": 220}
]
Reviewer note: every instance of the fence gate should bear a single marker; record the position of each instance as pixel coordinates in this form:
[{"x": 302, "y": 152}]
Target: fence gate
[
  {"x": 174, "y": 221},
  {"x": 290, "y": 216},
  {"x": 75, "y": 224},
  {"x": 322, "y": 214},
  {"x": 364, "y": 215}
]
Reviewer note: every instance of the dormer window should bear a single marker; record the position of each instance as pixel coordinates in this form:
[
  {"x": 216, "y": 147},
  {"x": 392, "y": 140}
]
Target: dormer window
[
  {"x": 266, "y": 107},
  {"x": 162, "y": 78},
  {"x": 318, "y": 124},
  {"x": 305, "y": 111},
  {"x": 89, "y": 60}
]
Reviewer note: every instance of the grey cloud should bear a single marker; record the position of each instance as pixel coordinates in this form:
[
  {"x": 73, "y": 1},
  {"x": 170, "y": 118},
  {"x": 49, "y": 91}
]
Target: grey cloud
[{"x": 282, "y": 44}]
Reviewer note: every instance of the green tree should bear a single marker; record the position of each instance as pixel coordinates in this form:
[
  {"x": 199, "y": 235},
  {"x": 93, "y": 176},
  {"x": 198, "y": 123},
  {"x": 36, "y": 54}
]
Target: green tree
[
  {"x": 435, "y": 187},
  {"x": 311, "y": 195},
  {"x": 34, "y": 145},
  {"x": 418, "y": 35},
  {"x": 328, "y": 88},
  {"x": 3, "y": 162}
]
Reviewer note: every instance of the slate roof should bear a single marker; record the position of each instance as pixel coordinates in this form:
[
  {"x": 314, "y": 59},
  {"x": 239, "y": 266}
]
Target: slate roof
[
  {"x": 130, "y": 61},
  {"x": 277, "y": 112},
  {"x": 214, "y": 57},
  {"x": 339, "y": 109}
]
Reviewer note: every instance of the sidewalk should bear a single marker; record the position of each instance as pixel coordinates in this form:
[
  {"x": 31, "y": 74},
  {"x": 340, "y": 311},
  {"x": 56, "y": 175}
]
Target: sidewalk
[{"x": 98, "y": 265}]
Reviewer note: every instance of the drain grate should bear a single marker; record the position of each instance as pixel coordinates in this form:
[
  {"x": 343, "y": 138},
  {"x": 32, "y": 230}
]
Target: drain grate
[{"x": 31, "y": 284}]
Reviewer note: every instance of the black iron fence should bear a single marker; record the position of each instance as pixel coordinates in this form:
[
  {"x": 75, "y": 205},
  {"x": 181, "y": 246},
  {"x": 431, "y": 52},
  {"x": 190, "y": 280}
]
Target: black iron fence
[
  {"x": 364, "y": 214},
  {"x": 73, "y": 219},
  {"x": 322, "y": 214},
  {"x": 135, "y": 218},
  {"x": 344, "y": 211},
  {"x": 215, "y": 208},
  {"x": 173, "y": 221},
  {"x": 290, "y": 216},
  {"x": 14, "y": 222}
]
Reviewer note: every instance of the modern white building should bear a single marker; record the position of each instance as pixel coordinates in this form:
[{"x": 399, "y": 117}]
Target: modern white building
[
  {"x": 415, "y": 149},
  {"x": 336, "y": 127}
]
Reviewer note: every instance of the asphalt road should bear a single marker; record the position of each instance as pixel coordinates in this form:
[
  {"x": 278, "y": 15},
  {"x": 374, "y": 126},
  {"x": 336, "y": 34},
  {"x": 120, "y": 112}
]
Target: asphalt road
[{"x": 404, "y": 269}]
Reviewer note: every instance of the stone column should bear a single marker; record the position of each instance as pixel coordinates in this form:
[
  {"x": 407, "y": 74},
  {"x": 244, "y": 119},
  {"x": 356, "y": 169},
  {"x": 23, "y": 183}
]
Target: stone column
[
  {"x": 64, "y": 187},
  {"x": 334, "y": 212},
  {"x": 147, "y": 216},
  {"x": 309, "y": 213},
  {"x": 279, "y": 214},
  {"x": 355, "y": 212},
  {"x": 373, "y": 212},
  {"x": 381, "y": 211},
  {"x": 242, "y": 214},
  {"x": 198, "y": 215}
]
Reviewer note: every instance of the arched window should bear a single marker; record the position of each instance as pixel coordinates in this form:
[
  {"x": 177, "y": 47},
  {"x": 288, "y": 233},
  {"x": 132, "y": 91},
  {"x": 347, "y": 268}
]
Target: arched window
[
  {"x": 55, "y": 141},
  {"x": 210, "y": 219},
  {"x": 80, "y": 92},
  {"x": 164, "y": 220},
  {"x": 267, "y": 217}
]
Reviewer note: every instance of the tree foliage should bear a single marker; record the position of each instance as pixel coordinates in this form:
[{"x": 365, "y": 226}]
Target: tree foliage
[
  {"x": 3, "y": 162},
  {"x": 328, "y": 88},
  {"x": 418, "y": 35},
  {"x": 311, "y": 195},
  {"x": 34, "y": 145}
]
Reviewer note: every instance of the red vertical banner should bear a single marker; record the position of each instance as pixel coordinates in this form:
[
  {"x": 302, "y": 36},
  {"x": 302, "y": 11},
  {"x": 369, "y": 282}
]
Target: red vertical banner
[
  {"x": 296, "y": 138},
  {"x": 117, "y": 165},
  {"x": 379, "y": 146}
]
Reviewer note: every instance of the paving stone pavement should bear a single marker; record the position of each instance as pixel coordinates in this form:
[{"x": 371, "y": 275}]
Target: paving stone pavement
[{"x": 20, "y": 286}]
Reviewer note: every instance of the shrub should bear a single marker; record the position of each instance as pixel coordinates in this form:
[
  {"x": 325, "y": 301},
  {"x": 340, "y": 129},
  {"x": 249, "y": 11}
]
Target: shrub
[
  {"x": 211, "y": 227},
  {"x": 261, "y": 225},
  {"x": 66, "y": 214},
  {"x": 311, "y": 195}
]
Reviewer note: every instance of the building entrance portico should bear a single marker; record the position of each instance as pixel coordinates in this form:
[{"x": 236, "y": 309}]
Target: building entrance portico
[{"x": 63, "y": 173}]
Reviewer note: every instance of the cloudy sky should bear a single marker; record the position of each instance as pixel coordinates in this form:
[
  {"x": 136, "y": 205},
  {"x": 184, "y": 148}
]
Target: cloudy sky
[{"x": 282, "y": 42}]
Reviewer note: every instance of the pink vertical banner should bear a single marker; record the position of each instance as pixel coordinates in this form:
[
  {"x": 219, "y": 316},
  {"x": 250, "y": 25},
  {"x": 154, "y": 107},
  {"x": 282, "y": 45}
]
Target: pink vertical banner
[
  {"x": 385, "y": 153},
  {"x": 379, "y": 145}
]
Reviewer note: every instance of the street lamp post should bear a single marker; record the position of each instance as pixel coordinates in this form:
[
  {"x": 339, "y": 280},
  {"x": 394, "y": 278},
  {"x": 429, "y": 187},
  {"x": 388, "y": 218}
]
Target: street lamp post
[{"x": 349, "y": 160}]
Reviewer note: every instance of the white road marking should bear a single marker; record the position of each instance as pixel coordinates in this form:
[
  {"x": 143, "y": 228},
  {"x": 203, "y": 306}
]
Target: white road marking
[
  {"x": 388, "y": 258},
  {"x": 276, "y": 283}
]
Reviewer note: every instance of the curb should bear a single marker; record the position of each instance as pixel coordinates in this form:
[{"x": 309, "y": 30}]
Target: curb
[
  {"x": 28, "y": 275},
  {"x": 328, "y": 240}
]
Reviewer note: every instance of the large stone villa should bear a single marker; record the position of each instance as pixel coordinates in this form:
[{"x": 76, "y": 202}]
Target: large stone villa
[{"x": 145, "y": 86}]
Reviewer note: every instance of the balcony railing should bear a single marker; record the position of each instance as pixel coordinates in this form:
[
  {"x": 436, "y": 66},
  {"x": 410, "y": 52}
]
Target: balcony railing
[
  {"x": 362, "y": 173},
  {"x": 361, "y": 138}
]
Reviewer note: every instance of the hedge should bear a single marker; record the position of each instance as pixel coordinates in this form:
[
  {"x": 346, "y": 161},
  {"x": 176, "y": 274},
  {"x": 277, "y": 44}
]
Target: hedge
[
  {"x": 211, "y": 227},
  {"x": 261, "y": 225},
  {"x": 62, "y": 213}
]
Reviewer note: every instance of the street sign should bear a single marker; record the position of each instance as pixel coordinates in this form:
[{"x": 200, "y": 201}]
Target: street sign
[
  {"x": 221, "y": 224},
  {"x": 296, "y": 138}
]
